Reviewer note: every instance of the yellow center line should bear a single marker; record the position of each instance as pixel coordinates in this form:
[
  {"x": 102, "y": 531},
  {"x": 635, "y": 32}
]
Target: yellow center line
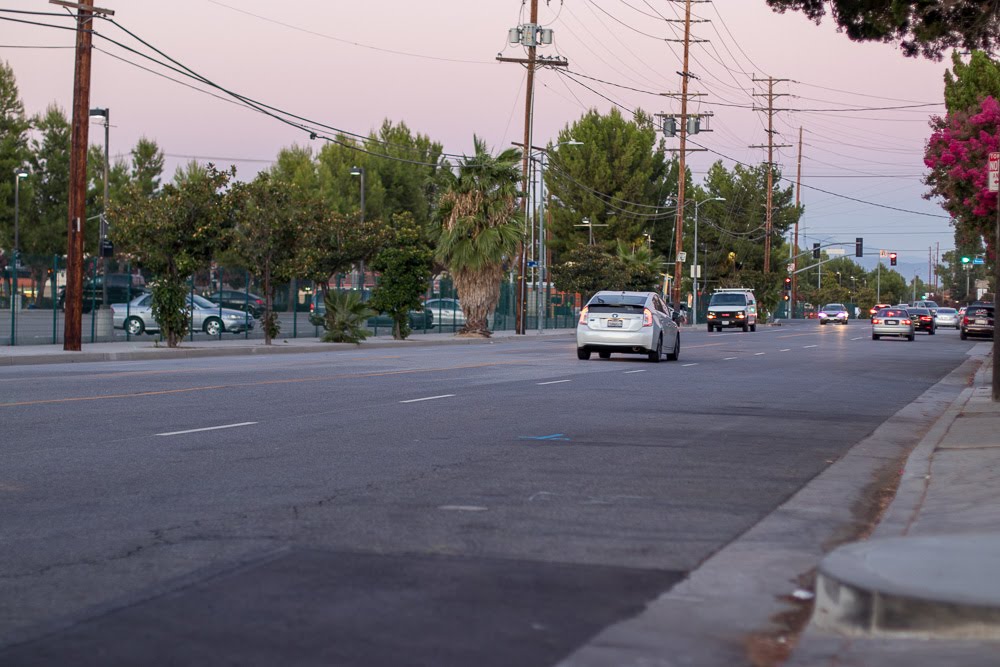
[{"x": 321, "y": 378}]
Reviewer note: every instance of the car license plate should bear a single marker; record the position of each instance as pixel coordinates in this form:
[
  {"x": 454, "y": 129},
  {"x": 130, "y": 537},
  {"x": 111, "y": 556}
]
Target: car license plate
[
  {"x": 725, "y": 321},
  {"x": 892, "y": 321},
  {"x": 615, "y": 324},
  {"x": 980, "y": 321}
]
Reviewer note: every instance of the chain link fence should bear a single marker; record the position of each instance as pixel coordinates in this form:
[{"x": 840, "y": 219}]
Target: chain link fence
[{"x": 32, "y": 304}]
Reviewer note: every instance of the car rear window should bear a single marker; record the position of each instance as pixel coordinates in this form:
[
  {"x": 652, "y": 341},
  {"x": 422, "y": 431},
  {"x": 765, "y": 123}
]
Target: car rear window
[
  {"x": 979, "y": 311},
  {"x": 892, "y": 312},
  {"x": 728, "y": 300}
]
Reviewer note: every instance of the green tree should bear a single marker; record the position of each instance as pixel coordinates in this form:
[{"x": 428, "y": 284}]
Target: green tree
[
  {"x": 586, "y": 270},
  {"x": 267, "y": 217},
  {"x": 616, "y": 177},
  {"x": 331, "y": 242},
  {"x": 147, "y": 167},
  {"x": 922, "y": 27},
  {"x": 480, "y": 230},
  {"x": 46, "y": 234},
  {"x": 345, "y": 317},
  {"x": 405, "y": 268},
  {"x": 966, "y": 85},
  {"x": 640, "y": 267},
  {"x": 14, "y": 150},
  {"x": 174, "y": 235}
]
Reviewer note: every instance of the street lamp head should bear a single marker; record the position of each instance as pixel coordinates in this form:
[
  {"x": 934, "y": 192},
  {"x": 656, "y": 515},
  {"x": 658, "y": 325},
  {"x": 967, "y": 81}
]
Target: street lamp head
[
  {"x": 357, "y": 171},
  {"x": 99, "y": 112},
  {"x": 20, "y": 172}
]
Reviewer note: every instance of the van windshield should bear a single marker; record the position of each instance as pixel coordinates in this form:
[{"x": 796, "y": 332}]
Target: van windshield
[{"x": 728, "y": 300}]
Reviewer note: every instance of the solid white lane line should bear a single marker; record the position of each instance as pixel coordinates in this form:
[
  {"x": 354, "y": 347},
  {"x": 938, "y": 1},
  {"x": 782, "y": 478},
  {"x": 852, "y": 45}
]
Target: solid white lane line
[
  {"x": 787, "y": 349},
  {"x": 641, "y": 371},
  {"x": 686, "y": 365},
  {"x": 806, "y": 347},
  {"x": 427, "y": 398},
  {"x": 463, "y": 508},
  {"x": 555, "y": 382},
  {"x": 207, "y": 428}
]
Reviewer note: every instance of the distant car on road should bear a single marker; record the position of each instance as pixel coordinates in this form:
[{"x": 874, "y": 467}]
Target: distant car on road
[
  {"x": 929, "y": 305},
  {"x": 892, "y": 322},
  {"x": 136, "y": 317},
  {"x": 877, "y": 307},
  {"x": 628, "y": 323},
  {"x": 833, "y": 312},
  {"x": 923, "y": 319},
  {"x": 732, "y": 307},
  {"x": 978, "y": 321},
  {"x": 947, "y": 317}
]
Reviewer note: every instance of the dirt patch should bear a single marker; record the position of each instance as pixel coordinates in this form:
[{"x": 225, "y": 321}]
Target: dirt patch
[{"x": 774, "y": 647}]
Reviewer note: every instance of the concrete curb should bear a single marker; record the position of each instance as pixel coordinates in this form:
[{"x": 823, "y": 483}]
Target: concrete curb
[{"x": 193, "y": 351}]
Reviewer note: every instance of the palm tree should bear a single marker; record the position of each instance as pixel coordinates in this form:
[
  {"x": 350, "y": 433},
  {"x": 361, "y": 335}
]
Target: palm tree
[{"x": 480, "y": 229}]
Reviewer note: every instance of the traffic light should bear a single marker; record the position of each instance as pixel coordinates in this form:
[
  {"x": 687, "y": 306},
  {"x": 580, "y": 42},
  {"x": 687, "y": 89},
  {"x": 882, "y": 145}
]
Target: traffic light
[
  {"x": 892, "y": 259},
  {"x": 815, "y": 251},
  {"x": 859, "y": 247},
  {"x": 966, "y": 259},
  {"x": 788, "y": 283}
]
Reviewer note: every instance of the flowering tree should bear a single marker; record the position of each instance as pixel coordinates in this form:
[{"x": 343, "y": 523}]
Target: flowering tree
[{"x": 957, "y": 154}]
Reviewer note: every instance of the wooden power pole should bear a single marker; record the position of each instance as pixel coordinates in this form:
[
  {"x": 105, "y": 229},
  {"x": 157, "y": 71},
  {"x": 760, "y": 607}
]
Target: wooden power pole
[
  {"x": 795, "y": 243},
  {"x": 72, "y": 331},
  {"x": 529, "y": 35},
  {"x": 770, "y": 165}
]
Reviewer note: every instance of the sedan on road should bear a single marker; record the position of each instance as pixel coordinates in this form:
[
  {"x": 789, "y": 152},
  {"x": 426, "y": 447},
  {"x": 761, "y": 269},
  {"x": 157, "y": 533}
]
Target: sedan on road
[
  {"x": 892, "y": 322},
  {"x": 629, "y": 323},
  {"x": 136, "y": 316},
  {"x": 923, "y": 319},
  {"x": 833, "y": 312},
  {"x": 978, "y": 321},
  {"x": 947, "y": 317}
]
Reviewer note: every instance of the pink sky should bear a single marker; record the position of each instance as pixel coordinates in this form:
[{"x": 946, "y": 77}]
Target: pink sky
[{"x": 431, "y": 64}]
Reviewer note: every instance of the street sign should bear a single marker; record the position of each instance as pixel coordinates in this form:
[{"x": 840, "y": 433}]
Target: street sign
[
  {"x": 532, "y": 264},
  {"x": 696, "y": 270},
  {"x": 978, "y": 260},
  {"x": 834, "y": 251},
  {"x": 682, "y": 257},
  {"x": 994, "y": 172},
  {"x": 883, "y": 253},
  {"x": 790, "y": 267}
]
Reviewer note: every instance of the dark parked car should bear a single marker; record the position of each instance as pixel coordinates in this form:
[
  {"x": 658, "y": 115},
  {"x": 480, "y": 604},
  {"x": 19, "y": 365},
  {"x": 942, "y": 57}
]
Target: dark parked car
[
  {"x": 977, "y": 321},
  {"x": 248, "y": 302},
  {"x": 420, "y": 320},
  {"x": 122, "y": 287},
  {"x": 923, "y": 319}
]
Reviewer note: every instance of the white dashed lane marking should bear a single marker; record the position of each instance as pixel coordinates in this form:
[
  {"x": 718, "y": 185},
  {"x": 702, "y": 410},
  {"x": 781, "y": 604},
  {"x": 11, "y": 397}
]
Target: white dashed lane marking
[
  {"x": 787, "y": 349},
  {"x": 427, "y": 398},
  {"x": 806, "y": 347},
  {"x": 208, "y": 428},
  {"x": 686, "y": 365},
  {"x": 759, "y": 354},
  {"x": 730, "y": 358},
  {"x": 641, "y": 371},
  {"x": 555, "y": 382}
]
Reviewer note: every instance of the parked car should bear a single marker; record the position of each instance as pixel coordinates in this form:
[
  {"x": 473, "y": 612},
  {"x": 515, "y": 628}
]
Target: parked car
[
  {"x": 629, "y": 323},
  {"x": 448, "y": 313},
  {"x": 833, "y": 312},
  {"x": 122, "y": 287},
  {"x": 892, "y": 322},
  {"x": 923, "y": 319},
  {"x": 947, "y": 317},
  {"x": 978, "y": 321},
  {"x": 239, "y": 300},
  {"x": 136, "y": 316},
  {"x": 420, "y": 320}
]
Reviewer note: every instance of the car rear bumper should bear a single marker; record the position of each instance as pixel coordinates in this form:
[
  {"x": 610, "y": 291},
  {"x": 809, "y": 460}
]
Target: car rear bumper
[
  {"x": 892, "y": 330},
  {"x": 974, "y": 330},
  {"x": 615, "y": 341}
]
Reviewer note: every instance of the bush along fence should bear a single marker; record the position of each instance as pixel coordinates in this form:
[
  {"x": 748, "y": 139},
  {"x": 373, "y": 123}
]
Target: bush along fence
[{"x": 32, "y": 305}]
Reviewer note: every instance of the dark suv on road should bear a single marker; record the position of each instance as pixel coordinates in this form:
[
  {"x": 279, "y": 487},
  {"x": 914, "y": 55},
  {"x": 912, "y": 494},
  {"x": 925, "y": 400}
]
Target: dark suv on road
[
  {"x": 122, "y": 288},
  {"x": 977, "y": 321}
]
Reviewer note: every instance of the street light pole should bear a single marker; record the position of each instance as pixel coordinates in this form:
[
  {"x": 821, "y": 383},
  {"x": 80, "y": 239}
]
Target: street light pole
[
  {"x": 103, "y": 236},
  {"x": 19, "y": 173},
  {"x": 360, "y": 171},
  {"x": 694, "y": 278}
]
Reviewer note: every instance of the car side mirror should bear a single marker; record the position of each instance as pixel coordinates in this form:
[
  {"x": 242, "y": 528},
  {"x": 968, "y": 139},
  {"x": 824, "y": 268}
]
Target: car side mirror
[{"x": 676, "y": 316}]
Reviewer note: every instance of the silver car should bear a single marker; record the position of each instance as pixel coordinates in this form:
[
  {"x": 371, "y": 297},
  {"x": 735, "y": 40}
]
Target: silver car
[
  {"x": 833, "y": 312},
  {"x": 630, "y": 323},
  {"x": 892, "y": 322},
  {"x": 448, "y": 313},
  {"x": 947, "y": 317},
  {"x": 136, "y": 316}
]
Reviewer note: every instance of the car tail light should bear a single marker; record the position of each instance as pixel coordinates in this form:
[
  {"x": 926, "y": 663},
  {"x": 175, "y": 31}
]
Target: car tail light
[
  {"x": 876, "y": 320},
  {"x": 907, "y": 322},
  {"x": 647, "y": 317},
  {"x": 583, "y": 314},
  {"x": 260, "y": 302},
  {"x": 965, "y": 320}
]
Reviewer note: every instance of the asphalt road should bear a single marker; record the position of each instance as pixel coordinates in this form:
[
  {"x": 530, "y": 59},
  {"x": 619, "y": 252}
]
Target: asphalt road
[{"x": 489, "y": 505}]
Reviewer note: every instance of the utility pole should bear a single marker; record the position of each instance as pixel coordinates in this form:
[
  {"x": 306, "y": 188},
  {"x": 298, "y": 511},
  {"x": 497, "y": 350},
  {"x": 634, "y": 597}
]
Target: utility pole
[
  {"x": 72, "y": 332},
  {"x": 770, "y": 162},
  {"x": 795, "y": 260},
  {"x": 529, "y": 35}
]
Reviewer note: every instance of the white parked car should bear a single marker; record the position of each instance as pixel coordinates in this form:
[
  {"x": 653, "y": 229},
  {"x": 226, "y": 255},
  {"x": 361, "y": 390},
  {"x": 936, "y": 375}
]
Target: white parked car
[
  {"x": 629, "y": 323},
  {"x": 136, "y": 316}
]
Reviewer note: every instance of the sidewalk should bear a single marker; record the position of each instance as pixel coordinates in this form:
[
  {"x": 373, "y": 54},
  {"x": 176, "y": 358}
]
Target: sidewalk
[
  {"x": 147, "y": 348},
  {"x": 924, "y": 590}
]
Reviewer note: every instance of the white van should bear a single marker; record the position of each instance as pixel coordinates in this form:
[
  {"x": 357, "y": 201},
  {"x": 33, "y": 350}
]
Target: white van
[{"x": 733, "y": 307}]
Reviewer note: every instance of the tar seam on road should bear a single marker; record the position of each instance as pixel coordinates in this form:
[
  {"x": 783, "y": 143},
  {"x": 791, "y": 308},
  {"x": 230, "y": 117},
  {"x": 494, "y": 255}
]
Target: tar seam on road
[
  {"x": 208, "y": 428},
  {"x": 427, "y": 398}
]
